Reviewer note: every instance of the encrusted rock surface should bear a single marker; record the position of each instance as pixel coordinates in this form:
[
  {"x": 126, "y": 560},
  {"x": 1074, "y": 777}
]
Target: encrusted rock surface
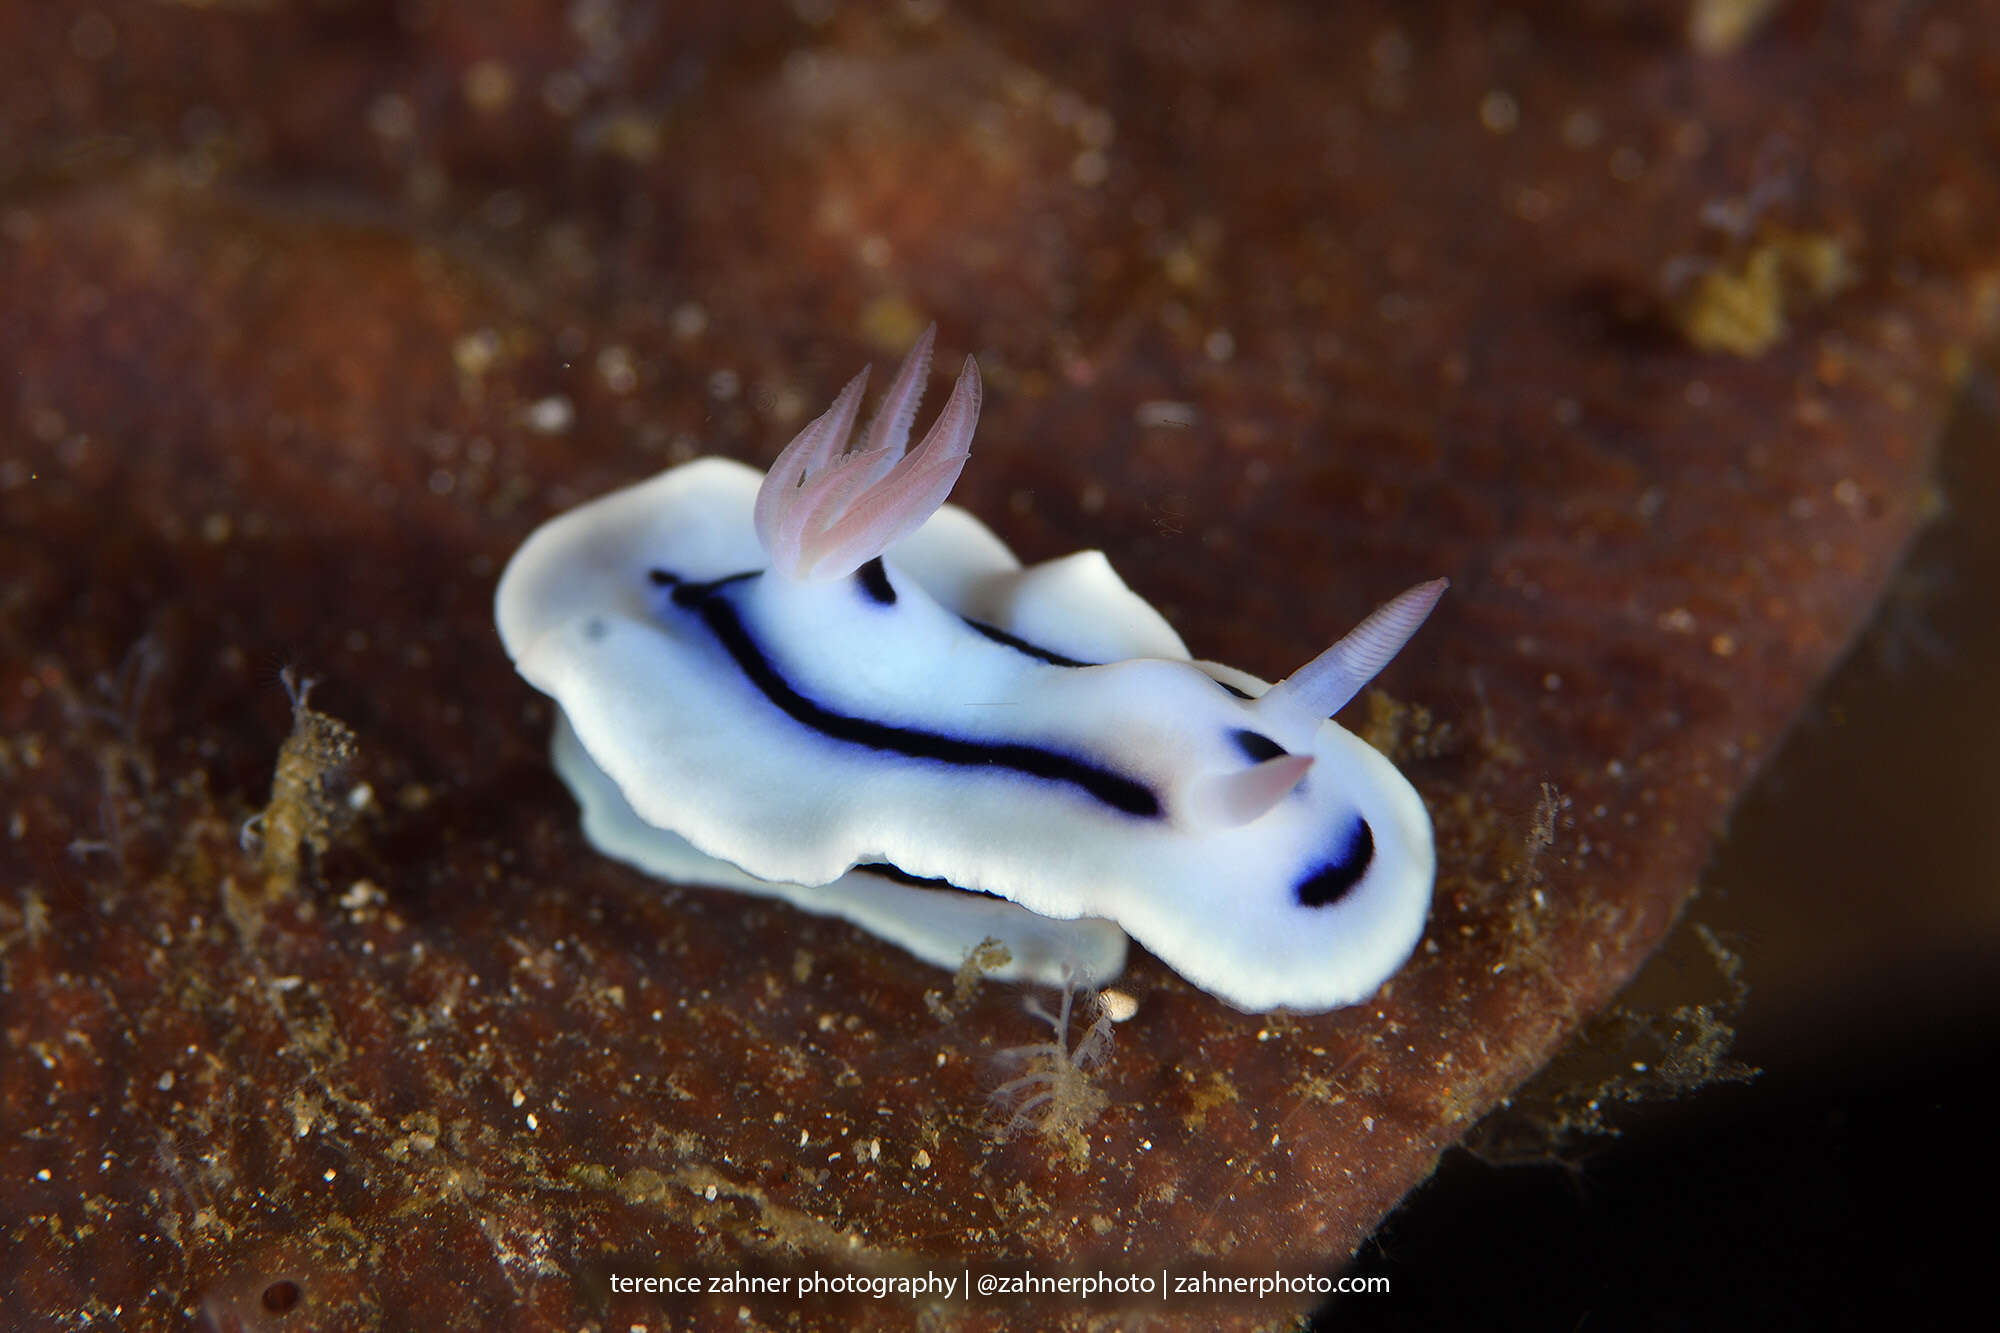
[{"x": 309, "y": 312}]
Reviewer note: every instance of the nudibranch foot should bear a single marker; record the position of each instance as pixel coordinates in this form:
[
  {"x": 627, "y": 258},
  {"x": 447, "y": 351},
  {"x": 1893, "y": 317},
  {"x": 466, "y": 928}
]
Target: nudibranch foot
[{"x": 935, "y": 923}]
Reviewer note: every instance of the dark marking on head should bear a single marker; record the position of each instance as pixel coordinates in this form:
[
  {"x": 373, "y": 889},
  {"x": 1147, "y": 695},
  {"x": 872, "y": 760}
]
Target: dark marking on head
[
  {"x": 875, "y": 582},
  {"x": 594, "y": 629},
  {"x": 1334, "y": 880},
  {"x": 1257, "y": 745},
  {"x": 662, "y": 579}
]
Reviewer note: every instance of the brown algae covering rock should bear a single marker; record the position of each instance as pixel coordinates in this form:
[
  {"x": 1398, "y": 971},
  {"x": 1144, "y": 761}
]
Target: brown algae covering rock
[{"x": 310, "y": 312}]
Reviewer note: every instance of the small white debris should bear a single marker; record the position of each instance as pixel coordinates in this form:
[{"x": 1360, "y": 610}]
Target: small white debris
[
  {"x": 1166, "y": 414},
  {"x": 361, "y": 894},
  {"x": 688, "y": 321},
  {"x": 475, "y": 353},
  {"x": 1117, "y": 1005},
  {"x": 552, "y": 415},
  {"x": 616, "y": 369}
]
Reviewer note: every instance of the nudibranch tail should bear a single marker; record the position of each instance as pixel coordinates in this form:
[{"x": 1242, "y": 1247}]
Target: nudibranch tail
[
  {"x": 1228, "y": 800},
  {"x": 822, "y": 514},
  {"x": 1297, "y": 704}
]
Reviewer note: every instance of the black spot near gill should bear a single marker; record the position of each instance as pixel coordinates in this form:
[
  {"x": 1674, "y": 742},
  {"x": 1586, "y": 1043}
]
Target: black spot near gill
[{"x": 875, "y": 582}]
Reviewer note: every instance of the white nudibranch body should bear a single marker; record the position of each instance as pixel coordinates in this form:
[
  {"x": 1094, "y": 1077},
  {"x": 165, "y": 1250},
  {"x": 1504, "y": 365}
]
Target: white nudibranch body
[{"x": 826, "y": 684}]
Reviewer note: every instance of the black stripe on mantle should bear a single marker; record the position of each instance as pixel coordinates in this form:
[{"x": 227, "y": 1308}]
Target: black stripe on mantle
[{"x": 707, "y": 600}]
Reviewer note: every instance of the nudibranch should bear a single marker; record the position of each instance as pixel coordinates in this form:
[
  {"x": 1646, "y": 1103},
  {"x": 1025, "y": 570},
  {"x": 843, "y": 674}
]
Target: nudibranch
[{"x": 825, "y": 683}]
